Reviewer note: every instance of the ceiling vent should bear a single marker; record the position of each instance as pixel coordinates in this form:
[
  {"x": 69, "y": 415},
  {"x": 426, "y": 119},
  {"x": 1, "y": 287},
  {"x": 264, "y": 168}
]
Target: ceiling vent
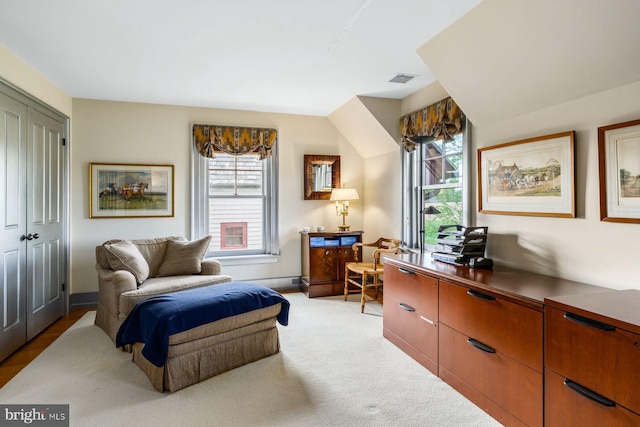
[{"x": 402, "y": 78}]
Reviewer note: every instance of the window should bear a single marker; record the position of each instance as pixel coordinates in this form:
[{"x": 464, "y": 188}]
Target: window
[
  {"x": 234, "y": 200},
  {"x": 233, "y": 235},
  {"x": 436, "y": 189}
]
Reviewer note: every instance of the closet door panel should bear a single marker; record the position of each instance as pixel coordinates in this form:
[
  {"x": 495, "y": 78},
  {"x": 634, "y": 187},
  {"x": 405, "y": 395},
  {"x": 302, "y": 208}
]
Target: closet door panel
[
  {"x": 46, "y": 272},
  {"x": 12, "y": 225}
]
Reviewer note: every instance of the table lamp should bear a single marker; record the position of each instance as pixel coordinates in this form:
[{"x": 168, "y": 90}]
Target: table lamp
[{"x": 342, "y": 196}]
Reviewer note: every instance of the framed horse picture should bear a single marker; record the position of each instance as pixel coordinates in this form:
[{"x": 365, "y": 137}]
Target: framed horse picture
[{"x": 130, "y": 190}]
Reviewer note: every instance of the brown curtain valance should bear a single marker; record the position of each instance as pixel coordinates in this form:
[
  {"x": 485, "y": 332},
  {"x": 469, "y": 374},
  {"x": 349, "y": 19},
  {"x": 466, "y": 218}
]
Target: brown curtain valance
[
  {"x": 233, "y": 140},
  {"x": 442, "y": 120}
]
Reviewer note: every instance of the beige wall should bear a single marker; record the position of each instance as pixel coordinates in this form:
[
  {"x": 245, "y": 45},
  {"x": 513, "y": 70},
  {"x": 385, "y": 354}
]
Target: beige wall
[
  {"x": 584, "y": 248},
  {"x": 157, "y": 134}
]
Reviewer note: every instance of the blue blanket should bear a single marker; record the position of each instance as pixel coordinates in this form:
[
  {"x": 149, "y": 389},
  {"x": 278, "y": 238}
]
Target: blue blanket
[{"x": 153, "y": 320}]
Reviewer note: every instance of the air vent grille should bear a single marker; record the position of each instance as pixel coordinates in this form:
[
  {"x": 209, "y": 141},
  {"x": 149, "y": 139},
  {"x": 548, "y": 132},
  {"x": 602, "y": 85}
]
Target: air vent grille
[{"x": 402, "y": 78}]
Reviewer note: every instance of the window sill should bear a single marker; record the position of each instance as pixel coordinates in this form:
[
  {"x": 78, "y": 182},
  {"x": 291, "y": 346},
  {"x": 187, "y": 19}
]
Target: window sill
[{"x": 247, "y": 259}]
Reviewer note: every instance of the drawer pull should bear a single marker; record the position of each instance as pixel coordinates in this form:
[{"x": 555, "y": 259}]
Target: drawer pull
[
  {"x": 477, "y": 344},
  {"x": 406, "y": 307},
  {"x": 428, "y": 320},
  {"x": 585, "y": 321},
  {"x": 588, "y": 393},
  {"x": 480, "y": 295},
  {"x": 405, "y": 271}
]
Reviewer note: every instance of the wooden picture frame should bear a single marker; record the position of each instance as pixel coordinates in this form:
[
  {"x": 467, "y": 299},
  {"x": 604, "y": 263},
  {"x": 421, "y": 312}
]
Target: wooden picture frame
[
  {"x": 619, "y": 172},
  {"x": 121, "y": 190},
  {"x": 533, "y": 177},
  {"x": 316, "y": 165}
]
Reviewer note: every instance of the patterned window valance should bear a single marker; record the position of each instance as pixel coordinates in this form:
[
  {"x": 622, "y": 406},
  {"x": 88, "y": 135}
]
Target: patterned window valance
[
  {"x": 233, "y": 140},
  {"x": 442, "y": 120}
]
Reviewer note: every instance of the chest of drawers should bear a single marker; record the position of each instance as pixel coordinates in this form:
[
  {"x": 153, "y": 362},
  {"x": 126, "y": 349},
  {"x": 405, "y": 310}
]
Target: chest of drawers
[
  {"x": 324, "y": 255},
  {"x": 592, "y": 359},
  {"x": 487, "y": 338}
]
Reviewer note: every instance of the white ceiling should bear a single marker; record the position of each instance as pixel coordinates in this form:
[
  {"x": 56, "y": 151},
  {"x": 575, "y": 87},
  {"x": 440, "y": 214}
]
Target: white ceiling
[{"x": 288, "y": 56}]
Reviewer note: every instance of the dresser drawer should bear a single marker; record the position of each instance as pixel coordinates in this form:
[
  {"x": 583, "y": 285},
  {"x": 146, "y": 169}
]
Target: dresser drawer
[
  {"x": 603, "y": 359},
  {"x": 505, "y": 381},
  {"x": 415, "y": 289},
  {"x": 564, "y": 406},
  {"x": 411, "y": 326},
  {"x": 509, "y": 328}
]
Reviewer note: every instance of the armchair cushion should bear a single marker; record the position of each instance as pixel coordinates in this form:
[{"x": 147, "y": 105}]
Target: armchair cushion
[
  {"x": 124, "y": 255},
  {"x": 183, "y": 257}
]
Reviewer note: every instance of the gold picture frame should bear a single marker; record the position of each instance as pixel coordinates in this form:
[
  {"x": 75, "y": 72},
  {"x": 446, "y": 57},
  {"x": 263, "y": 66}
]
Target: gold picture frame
[
  {"x": 533, "y": 177},
  {"x": 619, "y": 172},
  {"x": 125, "y": 190}
]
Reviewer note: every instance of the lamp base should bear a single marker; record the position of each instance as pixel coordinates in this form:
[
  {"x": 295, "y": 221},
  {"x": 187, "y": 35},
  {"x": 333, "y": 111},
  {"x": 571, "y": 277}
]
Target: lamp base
[{"x": 344, "y": 227}]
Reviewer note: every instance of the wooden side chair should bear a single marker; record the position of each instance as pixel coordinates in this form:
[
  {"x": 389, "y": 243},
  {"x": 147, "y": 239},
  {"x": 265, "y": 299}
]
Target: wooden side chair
[{"x": 366, "y": 275}]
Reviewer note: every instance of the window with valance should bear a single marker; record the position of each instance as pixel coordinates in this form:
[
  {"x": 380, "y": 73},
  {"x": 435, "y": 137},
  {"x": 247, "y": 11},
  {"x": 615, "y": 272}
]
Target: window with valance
[
  {"x": 235, "y": 182},
  {"x": 435, "y": 166}
]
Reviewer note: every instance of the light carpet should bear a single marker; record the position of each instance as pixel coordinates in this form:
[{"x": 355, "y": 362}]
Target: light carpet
[{"x": 334, "y": 369}]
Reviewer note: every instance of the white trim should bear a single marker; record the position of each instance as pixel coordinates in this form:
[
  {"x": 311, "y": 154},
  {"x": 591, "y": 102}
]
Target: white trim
[{"x": 247, "y": 259}]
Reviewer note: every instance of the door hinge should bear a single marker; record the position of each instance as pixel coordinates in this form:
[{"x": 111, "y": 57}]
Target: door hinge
[
  {"x": 64, "y": 287},
  {"x": 64, "y": 141}
]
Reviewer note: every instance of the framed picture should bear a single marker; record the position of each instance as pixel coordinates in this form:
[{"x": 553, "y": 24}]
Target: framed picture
[
  {"x": 619, "y": 166},
  {"x": 130, "y": 190},
  {"x": 529, "y": 177}
]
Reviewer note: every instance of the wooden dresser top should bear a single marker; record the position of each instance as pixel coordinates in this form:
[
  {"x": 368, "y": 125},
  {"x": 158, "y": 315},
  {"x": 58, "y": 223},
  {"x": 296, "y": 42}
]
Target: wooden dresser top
[
  {"x": 521, "y": 286},
  {"x": 617, "y": 308}
]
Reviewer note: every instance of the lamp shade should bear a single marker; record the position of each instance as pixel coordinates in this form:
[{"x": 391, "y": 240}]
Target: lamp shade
[{"x": 340, "y": 194}]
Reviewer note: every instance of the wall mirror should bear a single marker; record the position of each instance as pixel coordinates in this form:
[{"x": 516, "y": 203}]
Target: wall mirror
[{"x": 321, "y": 174}]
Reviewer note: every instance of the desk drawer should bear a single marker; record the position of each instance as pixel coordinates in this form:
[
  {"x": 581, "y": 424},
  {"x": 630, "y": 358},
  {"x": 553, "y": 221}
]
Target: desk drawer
[
  {"x": 411, "y": 326},
  {"x": 505, "y": 381},
  {"x": 600, "y": 358},
  {"x": 509, "y": 328},
  {"x": 566, "y": 407},
  {"x": 417, "y": 290}
]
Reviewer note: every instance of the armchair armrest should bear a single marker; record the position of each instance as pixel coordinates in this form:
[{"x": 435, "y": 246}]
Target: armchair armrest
[
  {"x": 111, "y": 284},
  {"x": 211, "y": 267}
]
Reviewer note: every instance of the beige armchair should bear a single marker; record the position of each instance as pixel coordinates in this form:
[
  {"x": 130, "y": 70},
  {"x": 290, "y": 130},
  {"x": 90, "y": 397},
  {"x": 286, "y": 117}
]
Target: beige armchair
[{"x": 130, "y": 271}]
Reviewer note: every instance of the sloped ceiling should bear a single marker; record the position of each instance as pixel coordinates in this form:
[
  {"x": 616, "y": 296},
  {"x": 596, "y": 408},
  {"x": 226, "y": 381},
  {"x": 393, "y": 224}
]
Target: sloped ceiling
[
  {"x": 506, "y": 58},
  {"x": 369, "y": 124}
]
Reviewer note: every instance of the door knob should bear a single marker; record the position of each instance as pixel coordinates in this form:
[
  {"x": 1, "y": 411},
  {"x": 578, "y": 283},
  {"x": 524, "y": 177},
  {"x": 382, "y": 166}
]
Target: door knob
[{"x": 29, "y": 237}]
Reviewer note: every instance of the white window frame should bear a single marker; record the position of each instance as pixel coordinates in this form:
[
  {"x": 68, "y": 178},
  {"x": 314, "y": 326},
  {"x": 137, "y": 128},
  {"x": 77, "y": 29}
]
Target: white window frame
[
  {"x": 412, "y": 238},
  {"x": 200, "y": 212}
]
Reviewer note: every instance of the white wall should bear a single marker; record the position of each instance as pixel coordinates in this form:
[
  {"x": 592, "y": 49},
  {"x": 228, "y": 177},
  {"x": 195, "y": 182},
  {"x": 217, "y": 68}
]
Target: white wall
[
  {"x": 117, "y": 132},
  {"x": 582, "y": 248}
]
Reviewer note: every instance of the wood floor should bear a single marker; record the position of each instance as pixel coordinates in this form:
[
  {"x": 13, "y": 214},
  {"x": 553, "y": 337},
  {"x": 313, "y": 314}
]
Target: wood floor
[{"x": 21, "y": 358}]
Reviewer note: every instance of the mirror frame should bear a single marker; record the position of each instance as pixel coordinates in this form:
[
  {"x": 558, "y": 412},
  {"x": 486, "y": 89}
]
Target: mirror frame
[{"x": 314, "y": 159}]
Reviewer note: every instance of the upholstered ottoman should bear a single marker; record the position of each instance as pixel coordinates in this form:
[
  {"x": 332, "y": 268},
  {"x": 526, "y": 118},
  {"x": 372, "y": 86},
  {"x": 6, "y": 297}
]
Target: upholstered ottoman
[{"x": 185, "y": 337}]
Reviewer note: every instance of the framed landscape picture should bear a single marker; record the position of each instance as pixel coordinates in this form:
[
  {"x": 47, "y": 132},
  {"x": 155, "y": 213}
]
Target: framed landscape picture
[
  {"x": 528, "y": 177},
  {"x": 619, "y": 167},
  {"x": 130, "y": 190}
]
